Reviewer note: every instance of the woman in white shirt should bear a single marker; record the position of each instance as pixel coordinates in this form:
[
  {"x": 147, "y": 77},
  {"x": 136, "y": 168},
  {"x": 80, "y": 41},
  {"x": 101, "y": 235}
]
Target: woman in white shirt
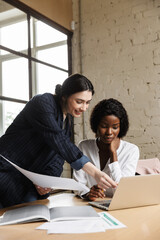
[{"x": 108, "y": 152}]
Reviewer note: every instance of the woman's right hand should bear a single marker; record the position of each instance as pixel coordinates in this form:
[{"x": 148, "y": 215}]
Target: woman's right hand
[
  {"x": 95, "y": 192},
  {"x": 41, "y": 190}
]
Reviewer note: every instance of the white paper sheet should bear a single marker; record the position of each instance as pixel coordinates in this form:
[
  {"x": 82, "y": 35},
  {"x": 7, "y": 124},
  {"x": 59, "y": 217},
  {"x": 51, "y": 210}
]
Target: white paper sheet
[
  {"x": 110, "y": 222},
  {"x": 78, "y": 226},
  {"x": 50, "y": 181},
  {"x": 106, "y": 222}
]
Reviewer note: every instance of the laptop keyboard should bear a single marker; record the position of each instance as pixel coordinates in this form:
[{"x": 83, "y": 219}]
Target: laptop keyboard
[
  {"x": 101, "y": 204},
  {"x": 105, "y": 204}
]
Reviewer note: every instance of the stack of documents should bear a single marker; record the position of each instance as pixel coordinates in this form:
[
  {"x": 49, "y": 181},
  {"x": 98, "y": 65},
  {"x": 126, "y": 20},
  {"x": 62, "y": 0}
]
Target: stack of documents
[
  {"x": 64, "y": 219},
  {"x": 71, "y": 219},
  {"x": 105, "y": 222}
]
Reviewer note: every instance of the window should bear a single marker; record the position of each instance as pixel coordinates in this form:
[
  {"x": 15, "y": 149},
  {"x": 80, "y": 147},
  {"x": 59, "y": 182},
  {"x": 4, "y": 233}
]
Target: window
[{"x": 35, "y": 55}]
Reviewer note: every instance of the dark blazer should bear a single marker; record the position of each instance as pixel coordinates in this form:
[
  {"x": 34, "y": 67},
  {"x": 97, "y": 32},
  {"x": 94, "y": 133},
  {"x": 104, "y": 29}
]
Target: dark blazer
[{"x": 35, "y": 141}]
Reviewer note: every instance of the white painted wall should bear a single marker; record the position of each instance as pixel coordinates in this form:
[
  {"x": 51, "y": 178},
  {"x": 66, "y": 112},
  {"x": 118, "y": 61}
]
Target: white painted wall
[{"x": 116, "y": 44}]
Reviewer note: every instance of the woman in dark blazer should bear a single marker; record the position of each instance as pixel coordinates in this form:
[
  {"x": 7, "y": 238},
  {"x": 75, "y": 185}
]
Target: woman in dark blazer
[{"x": 39, "y": 140}]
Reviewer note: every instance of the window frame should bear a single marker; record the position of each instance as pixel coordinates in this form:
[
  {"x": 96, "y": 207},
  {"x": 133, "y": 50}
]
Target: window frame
[
  {"x": 33, "y": 13},
  {"x": 27, "y": 54}
]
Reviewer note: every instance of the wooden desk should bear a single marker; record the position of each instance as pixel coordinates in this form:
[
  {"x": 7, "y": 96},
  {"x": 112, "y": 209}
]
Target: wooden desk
[{"x": 142, "y": 224}]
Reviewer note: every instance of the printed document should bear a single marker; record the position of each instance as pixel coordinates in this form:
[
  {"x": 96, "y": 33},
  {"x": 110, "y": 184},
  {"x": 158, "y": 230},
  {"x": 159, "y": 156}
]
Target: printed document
[
  {"x": 105, "y": 222},
  {"x": 50, "y": 181}
]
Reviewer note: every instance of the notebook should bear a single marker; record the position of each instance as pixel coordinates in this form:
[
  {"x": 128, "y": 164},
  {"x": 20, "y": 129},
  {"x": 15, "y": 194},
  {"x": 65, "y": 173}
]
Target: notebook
[
  {"x": 135, "y": 191},
  {"x": 41, "y": 212}
]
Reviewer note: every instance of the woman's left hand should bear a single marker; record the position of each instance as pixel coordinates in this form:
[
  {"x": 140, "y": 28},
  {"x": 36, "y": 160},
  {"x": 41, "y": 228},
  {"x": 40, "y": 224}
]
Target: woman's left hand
[
  {"x": 113, "y": 150},
  {"x": 114, "y": 145},
  {"x": 41, "y": 190},
  {"x": 102, "y": 179}
]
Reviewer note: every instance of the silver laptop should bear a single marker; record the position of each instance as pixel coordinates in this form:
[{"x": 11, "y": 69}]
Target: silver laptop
[{"x": 132, "y": 192}]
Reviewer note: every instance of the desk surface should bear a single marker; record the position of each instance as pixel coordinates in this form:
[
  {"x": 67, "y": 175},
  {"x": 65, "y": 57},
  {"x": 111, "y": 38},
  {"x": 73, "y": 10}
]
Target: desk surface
[{"x": 142, "y": 224}]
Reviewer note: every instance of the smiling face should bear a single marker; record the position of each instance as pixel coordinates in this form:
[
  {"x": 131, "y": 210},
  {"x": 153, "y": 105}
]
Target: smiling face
[
  {"x": 108, "y": 128},
  {"x": 78, "y": 103}
]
